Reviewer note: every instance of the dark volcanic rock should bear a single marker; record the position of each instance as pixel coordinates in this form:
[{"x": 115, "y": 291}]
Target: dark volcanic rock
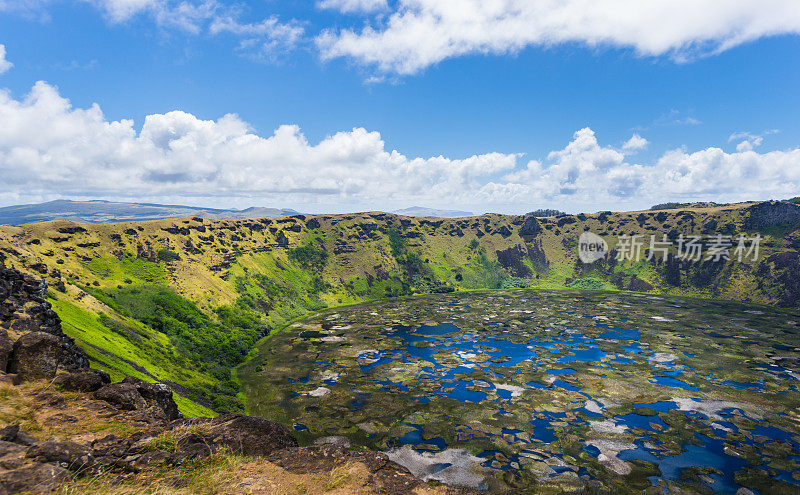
[
  {"x": 74, "y": 456},
  {"x": 13, "y": 434},
  {"x": 504, "y": 231},
  {"x": 191, "y": 451},
  {"x": 124, "y": 396},
  {"x": 512, "y": 260},
  {"x": 87, "y": 380},
  {"x": 156, "y": 394},
  {"x": 23, "y": 308},
  {"x": 531, "y": 227},
  {"x": 281, "y": 239},
  {"x": 35, "y": 356},
  {"x": 34, "y": 477},
  {"x": 6, "y": 345},
  {"x": 639, "y": 285},
  {"x": 709, "y": 227},
  {"x": 148, "y": 460},
  {"x": 771, "y": 213},
  {"x": 248, "y": 435},
  {"x": 7, "y": 448},
  {"x": 133, "y": 394}
]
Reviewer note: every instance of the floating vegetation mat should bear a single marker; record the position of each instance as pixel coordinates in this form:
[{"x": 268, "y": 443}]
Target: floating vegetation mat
[{"x": 548, "y": 391}]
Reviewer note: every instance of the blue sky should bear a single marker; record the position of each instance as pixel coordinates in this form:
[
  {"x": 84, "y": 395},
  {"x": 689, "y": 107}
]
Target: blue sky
[{"x": 469, "y": 107}]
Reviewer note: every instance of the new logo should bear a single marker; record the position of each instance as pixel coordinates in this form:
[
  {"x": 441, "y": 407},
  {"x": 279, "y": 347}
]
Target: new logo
[{"x": 591, "y": 247}]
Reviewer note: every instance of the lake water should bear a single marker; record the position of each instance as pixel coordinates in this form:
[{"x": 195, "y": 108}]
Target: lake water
[{"x": 506, "y": 390}]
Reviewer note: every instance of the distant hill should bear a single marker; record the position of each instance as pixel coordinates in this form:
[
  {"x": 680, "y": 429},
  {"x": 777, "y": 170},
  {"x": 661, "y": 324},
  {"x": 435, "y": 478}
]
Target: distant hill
[
  {"x": 673, "y": 206},
  {"x": 98, "y": 211},
  {"x": 546, "y": 213},
  {"x": 421, "y": 211}
]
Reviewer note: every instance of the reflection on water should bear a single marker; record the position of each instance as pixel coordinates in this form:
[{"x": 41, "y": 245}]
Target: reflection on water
[{"x": 556, "y": 386}]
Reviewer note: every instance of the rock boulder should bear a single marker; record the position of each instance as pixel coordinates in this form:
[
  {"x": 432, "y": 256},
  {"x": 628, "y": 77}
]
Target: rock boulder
[
  {"x": 73, "y": 456},
  {"x": 88, "y": 380},
  {"x": 247, "y": 435},
  {"x": 133, "y": 394},
  {"x": 35, "y": 356}
]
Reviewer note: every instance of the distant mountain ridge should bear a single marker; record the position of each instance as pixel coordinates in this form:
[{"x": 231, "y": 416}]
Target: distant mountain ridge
[
  {"x": 99, "y": 211},
  {"x": 421, "y": 211}
]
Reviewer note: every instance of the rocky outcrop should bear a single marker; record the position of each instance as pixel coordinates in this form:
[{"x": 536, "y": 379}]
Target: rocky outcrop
[
  {"x": 530, "y": 228},
  {"x": 32, "y": 477},
  {"x": 133, "y": 394},
  {"x": 6, "y": 345},
  {"x": 71, "y": 455},
  {"x": 35, "y": 356},
  {"x": 41, "y": 346},
  {"x": 247, "y": 435},
  {"x": 88, "y": 380},
  {"x": 28, "y": 465},
  {"x": 770, "y": 214},
  {"x": 13, "y": 434}
]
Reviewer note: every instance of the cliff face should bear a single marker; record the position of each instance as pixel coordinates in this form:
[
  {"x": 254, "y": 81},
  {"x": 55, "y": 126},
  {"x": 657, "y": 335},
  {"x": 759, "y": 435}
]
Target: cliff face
[
  {"x": 183, "y": 300},
  {"x": 771, "y": 214},
  {"x": 30, "y": 329}
]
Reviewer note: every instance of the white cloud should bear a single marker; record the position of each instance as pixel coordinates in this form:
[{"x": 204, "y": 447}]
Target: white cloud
[
  {"x": 49, "y": 148},
  {"x": 46, "y": 145},
  {"x": 5, "y": 65},
  {"x": 262, "y": 39},
  {"x": 420, "y": 33},
  {"x": 636, "y": 142},
  {"x": 748, "y": 141},
  {"x": 122, "y": 10},
  {"x": 29, "y": 9},
  {"x": 676, "y": 117},
  {"x": 354, "y": 6},
  {"x": 585, "y": 175}
]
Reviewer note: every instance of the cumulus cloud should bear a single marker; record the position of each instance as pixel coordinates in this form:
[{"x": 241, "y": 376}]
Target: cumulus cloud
[
  {"x": 5, "y": 65},
  {"x": 420, "y": 33},
  {"x": 749, "y": 141},
  {"x": 48, "y": 147},
  {"x": 587, "y": 175},
  {"x": 354, "y": 6},
  {"x": 636, "y": 142}
]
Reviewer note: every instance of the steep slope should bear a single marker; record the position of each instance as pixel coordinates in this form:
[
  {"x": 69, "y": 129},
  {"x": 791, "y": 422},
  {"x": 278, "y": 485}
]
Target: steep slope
[{"x": 184, "y": 300}]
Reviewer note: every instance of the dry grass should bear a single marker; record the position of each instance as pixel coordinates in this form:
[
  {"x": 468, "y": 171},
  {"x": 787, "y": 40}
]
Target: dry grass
[
  {"x": 16, "y": 407},
  {"x": 46, "y": 412},
  {"x": 222, "y": 474},
  {"x": 169, "y": 440}
]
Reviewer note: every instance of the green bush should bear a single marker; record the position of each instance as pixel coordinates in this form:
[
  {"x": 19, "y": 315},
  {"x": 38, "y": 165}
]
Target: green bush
[
  {"x": 166, "y": 255},
  {"x": 309, "y": 256},
  {"x": 397, "y": 243},
  {"x": 587, "y": 284}
]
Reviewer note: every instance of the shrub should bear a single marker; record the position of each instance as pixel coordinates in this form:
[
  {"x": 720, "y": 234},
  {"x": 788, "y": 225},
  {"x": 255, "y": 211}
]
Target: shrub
[
  {"x": 166, "y": 255},
  {"x": 309, "y": 256},
  {"x": 397, "y": 243},
  {"x": 587, "y": 284}
]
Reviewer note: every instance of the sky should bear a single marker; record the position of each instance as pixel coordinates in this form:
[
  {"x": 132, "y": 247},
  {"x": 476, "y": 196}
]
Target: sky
[{"x": 353, "y": 105}]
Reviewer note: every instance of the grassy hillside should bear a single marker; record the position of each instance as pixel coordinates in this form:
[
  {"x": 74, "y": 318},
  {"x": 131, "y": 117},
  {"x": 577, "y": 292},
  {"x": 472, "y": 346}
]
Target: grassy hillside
[{"x": 184, "y": 300}]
